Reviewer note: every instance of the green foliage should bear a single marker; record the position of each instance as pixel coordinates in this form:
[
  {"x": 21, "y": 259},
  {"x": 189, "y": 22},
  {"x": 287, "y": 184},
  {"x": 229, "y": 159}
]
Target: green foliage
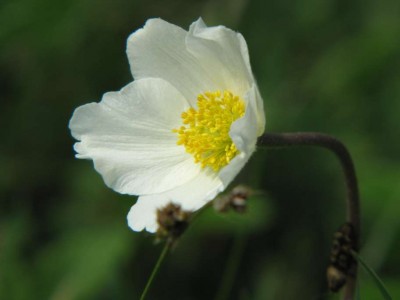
[
  {"x": 377, "y": 281},
  {"x": 257, "y": 217},
  {"x": 329, "y": 66}
]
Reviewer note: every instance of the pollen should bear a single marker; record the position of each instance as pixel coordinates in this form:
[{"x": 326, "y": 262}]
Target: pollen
[{"x": 205, "y": 131}]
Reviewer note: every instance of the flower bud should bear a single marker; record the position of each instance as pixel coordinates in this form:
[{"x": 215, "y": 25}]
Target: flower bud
[
  {"x": 172, "y": 221},
  {"x": 236, "y": 199}
]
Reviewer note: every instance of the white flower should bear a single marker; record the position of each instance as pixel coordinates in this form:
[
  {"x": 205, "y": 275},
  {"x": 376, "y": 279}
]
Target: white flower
[{"x": 184, "y": 128}]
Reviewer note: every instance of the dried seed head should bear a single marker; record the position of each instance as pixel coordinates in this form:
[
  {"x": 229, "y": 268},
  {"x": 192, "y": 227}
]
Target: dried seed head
[
  {"x": 172, "y": 221},
  {"x": 342, "y": 263},
  {"x": 235, "y": 199},
  {"x": 336, "y": 278}
]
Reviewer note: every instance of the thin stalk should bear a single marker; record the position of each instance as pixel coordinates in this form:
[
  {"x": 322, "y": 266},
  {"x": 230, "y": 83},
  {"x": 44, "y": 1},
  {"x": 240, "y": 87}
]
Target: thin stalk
[
  {"x": 232, "y": 266},
  {"x": 378, "y": 282},
  {"x": 165, "y": 250},
  {"x": 274, "y": 140}
]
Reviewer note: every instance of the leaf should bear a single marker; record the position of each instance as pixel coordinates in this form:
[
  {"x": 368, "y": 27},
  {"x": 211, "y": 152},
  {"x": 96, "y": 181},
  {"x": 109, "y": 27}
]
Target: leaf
[{"x": 378, "y": 282}]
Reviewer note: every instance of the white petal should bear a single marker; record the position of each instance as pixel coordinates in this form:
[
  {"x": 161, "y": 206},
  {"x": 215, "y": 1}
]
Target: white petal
[
  {"x": 129, "y": 137},
  {"x": 159, "y": 50},
  {"x": 143, "y": 215},
  {"x": 244, "y": 131},
  {"x": 229, "y": 173},
  {"x": 191, "y": 196},
  {"x": 259, "y": 110},
  {"x": 244, "y": 134},
  {"x": 224, "y": 52},
  {"x": 197, "y": 192}
]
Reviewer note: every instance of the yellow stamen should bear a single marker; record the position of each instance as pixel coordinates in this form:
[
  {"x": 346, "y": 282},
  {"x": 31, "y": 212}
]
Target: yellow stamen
[{"x": 205, "y": 131}]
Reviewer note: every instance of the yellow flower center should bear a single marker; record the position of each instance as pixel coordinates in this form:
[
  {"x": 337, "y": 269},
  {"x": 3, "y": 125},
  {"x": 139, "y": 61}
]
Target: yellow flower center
[{"x": 205, "y": 133}]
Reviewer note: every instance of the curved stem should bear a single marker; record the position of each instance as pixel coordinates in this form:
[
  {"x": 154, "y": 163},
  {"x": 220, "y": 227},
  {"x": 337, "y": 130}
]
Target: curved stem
[
  {"x": 340, "y": 150},
  {"x": 167, "y": 246}
]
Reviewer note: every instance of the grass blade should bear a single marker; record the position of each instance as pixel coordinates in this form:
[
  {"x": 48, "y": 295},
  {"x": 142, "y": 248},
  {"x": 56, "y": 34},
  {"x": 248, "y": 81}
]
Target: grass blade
[{"x": 378, "y": 282}]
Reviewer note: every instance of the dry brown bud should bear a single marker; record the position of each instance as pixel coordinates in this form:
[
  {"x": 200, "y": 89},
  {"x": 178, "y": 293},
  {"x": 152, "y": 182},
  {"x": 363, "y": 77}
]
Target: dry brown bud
[
  {"x": 336, "y": 278},
  {"x": 235, "y": 199},
  {"x": 342, "y": 263},
  {"x": 172, "y": 221}
]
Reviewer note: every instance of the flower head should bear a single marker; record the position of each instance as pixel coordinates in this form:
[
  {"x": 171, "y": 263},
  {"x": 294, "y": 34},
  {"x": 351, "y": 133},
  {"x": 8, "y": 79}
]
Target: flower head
[
  {"x": 184, "y": 128},
  {"x": 172, "y": 222}
]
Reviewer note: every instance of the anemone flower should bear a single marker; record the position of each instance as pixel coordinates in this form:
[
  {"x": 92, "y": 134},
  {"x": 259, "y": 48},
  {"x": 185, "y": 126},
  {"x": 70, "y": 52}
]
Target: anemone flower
[{"x": 184, "y": 128}]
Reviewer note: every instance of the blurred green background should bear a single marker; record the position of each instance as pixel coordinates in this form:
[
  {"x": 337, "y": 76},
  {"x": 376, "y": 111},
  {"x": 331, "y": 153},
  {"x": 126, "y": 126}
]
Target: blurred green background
[{"x": 322, "y": 65}]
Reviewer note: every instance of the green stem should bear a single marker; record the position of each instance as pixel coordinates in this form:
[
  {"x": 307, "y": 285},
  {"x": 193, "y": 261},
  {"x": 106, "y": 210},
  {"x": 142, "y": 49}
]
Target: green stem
[
  {"x": 167, "y": 246},
  {"x": 231, "y": 267}
]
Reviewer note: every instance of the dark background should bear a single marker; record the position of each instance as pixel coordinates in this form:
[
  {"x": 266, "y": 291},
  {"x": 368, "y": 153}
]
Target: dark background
[{"x": 322, "y": 65}]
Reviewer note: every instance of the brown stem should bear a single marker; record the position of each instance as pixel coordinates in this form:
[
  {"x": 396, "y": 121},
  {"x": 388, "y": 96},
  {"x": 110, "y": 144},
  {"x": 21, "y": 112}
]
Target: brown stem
[{"x": 337, "y": 147}]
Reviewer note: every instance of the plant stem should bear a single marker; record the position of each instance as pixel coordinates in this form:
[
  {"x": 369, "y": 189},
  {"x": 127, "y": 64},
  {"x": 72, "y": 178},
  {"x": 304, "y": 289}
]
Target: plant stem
[
  {"x": 167, "y": 246},
  {"x": 339, "y": 149}
]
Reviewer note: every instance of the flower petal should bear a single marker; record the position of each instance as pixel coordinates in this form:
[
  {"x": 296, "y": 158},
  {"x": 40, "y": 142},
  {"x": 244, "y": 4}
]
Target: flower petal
[
  {"x": 197, "y": 192},
  {"x": 259, "y": 108},
  {"x": 129, "y": 137},
  {"x": 244, "y": 134},
  {"x": 244, "y": 131},
  {"x": 159, "y": 50},
  {"x": 191, "y": 196},
  {"x": 224, "y": 52},
  {"x": 143, "y": 215}
]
